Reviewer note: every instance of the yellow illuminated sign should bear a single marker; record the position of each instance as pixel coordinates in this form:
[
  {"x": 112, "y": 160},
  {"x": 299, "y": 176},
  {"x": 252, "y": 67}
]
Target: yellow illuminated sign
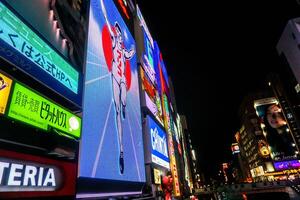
[
  {"x": 5, "y": 85},
  {"x": 157, "y": 176}
]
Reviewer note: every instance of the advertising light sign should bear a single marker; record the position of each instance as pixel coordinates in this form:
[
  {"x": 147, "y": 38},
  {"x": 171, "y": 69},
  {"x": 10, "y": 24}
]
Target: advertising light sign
[
  {"x": 187, "y": 170},
  {"x": 112, "y": 140},
  {"x": 152, "y": 97},
  {"x": 157, "y": 67},
  {"x": 258, "y": 171},
  {"x": 148, "y": 60},
  {"x": 5, "y": 86},
  {"x": 155, "y": 109},
  {"x": 284, "y": 165},
  {"x": 16, "y": 174},
  {"x": 159, "y": 144},
  {"x": 147, "y": 86},
  {"x": 23, "y": 176},
  {"x": 31, "y": 108},
  {"x": 144, "y": 25},
  {"x": 24, "y": 48},
  {"x": 168, "y": 122},
  {"x": 160, "y": 69},
  {"x": 157, "y": 176},
  {"x": 235, "y": 148},
  {"x": 275, "y": 129},
  {"x": 173, "y": 166}
]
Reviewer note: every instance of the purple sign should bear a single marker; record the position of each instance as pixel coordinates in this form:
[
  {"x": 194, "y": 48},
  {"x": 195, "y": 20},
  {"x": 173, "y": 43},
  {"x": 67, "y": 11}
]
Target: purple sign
[{"x": 292, "y": 164}]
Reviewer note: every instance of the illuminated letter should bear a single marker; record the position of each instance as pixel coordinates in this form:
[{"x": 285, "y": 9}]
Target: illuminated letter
[
  {"x": 30, "y": 173},
  {"x": 41, "y": 172},
  {"x": 14, "y": 174},
  {"x": 2, "y": 166},
  {"x": 50, "y": 178}
]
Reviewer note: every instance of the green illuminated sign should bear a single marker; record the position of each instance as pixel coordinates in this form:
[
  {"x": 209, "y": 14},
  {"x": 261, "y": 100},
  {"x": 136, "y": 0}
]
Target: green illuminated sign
[
  {"x": 31, "y": 108},
  {"x": 22, "y": 39}
]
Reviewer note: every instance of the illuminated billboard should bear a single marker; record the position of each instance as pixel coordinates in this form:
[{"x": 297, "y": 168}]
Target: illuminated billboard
[
  {"x": 5, "y": 86},
  {"x": 152, "y": 97},
  {"x": 148, "y": 48},
  {"x": 235, "y": 148},
  {"x": 21, "y": 46},
  {"x": 159, "y": 153},
  {"x": 157, "y": 176},
  {"x": 275, "y": 129},
  {"x": 284, "y": 165},
  {"x": 157, "y": 67},
  {"x": 148, "y": 59},
  {"x": 160, "y": 69},
  {"x": 33, "y": 109},
  {"x": 168, "y": 122},
  {"x": 24, "y": 176},
  {"x": 112, "y": 142},
  {"x": 258, "y": 171},
  {"x": 173, "y": 166}
]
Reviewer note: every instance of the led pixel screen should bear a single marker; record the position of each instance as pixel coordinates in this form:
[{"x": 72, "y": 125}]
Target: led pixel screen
[{"x": 112, "y": 145}]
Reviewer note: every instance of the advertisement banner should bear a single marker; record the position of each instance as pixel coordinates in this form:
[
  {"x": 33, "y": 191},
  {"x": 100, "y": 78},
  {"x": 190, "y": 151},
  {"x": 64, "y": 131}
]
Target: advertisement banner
[
  {"x": 157, "y": 68},
  {"x": 160, "y": 70},
  {"x": 285, "y": 165},
  {"x": 23, "y": 176},
  {"x": 235, "y": 148},
  {"x": 5, "y": 86},
  {"x": 112, "y": 141},
  {"x": 159, "y": 144},
  {"x": 157, "y": 176},
  {"x": 173, "y": 166},
  {"x": 275, "y": 129},
  {"x": 148, "y": 60},
  {"x": 155, "y": 108},
  {"x": 168, "y": 124},
  {"x": 21, "y": 46},
  {"x": 33, "y": 109}
]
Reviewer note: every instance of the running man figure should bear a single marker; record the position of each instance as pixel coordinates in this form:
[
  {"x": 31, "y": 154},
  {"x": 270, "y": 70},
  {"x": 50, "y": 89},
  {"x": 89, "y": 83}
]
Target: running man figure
[{"x": 119, "y": 85}]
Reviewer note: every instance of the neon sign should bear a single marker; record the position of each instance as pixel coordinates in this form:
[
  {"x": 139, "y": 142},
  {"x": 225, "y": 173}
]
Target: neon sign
[
  {"x": 159, "y": 153},
  {"x": 123, "y": 4},
  {"x": 31, "y": 108},
  {"x": 20, "y": 44},
  {"x": 27, "y": 177}
]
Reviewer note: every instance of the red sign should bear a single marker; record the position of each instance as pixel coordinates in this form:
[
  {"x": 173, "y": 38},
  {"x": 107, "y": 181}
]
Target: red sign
[
  {"x": 24, "y": 176},
  {"x": 147, "y": 86},
  {"x": 123, "y": 4}
]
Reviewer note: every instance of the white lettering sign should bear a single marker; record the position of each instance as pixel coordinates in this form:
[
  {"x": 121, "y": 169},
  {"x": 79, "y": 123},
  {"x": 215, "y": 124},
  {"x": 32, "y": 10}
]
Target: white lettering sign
[
  {"x": 17, "y": 176},
  {"x": 159, "y": 143}
]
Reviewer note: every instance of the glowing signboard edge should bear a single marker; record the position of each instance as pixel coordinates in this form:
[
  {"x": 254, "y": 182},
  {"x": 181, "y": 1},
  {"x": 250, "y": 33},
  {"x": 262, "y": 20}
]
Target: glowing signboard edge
[
  {"x": 60, "y": 90},
  {"x": 55, "y": 130}
]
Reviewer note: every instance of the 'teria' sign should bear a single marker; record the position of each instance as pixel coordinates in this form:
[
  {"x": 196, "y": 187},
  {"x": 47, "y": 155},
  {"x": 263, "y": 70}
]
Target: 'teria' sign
[
  {"x": 24, "y": 176},
  {"x": 31, "y": 108},
  {"x": 24, "y": 48}
]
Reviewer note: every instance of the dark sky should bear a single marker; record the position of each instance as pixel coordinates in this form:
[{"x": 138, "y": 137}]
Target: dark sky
[{"x": 216, "y": 53}]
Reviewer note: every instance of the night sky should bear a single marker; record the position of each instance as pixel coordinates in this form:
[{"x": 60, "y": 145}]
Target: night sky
[{"x": 219, "y": 51}]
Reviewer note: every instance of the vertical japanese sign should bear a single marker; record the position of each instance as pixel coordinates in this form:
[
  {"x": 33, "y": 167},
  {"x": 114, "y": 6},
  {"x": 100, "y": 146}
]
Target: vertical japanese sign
[
  {"x": 5, "y": 86},
  {"x": 24, "y": 48},
  {"x": 31, "y": 108},
  {"x": 168, "y": 122}
]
